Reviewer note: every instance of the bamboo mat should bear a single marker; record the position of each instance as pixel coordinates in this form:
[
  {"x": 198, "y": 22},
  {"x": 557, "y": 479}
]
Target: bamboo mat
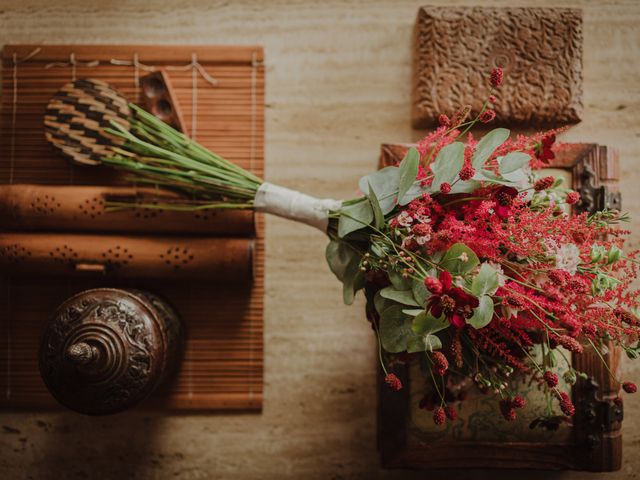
[{"x": 221, "y": 93}]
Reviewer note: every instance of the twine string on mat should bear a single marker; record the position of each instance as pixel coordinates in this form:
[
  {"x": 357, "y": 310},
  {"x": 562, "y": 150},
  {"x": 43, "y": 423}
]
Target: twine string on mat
[
  {"x": 196, "y": 68},
  {"x": 73, "y": 63},
  {"x": 14, "y": 107}
]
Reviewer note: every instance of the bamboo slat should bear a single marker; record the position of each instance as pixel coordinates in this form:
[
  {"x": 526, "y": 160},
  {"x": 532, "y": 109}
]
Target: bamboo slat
[{"x": 222, "y": 367}]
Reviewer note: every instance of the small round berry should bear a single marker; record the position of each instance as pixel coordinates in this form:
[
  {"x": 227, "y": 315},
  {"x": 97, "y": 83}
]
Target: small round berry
[
  {"x": 497, "y": 75},
  {"x": 445, "y": 188},
  {"x": 551, "y": 379},
  {"x": 572, "y": 198},
  {"x": 629, "y": 387},
  {"x": 518, "y": 402},
  {"x": 451, "y": 413},
  {"x": 439, "y": 416}
]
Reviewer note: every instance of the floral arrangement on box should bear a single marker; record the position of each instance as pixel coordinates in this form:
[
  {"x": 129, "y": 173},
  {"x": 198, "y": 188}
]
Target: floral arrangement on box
[{"x": 472, "y": 261}]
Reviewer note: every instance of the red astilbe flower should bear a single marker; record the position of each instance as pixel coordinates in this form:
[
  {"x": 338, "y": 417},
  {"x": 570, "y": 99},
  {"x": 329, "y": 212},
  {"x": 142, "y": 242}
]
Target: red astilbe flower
[
  {"x": 452, "y": 302},
  {"x": 543, "y": 149},
  {"x": 551, "y": 379},
  {"x": 440, "y": 363},
  {"x": 566, "y": 405},
  {"x": 439, "y": 416},
  {"x": 504, "y": 197},
  {"x": 543, "y": 183},
  {"x": 487, "y": 116},
  {"x": 497, "y": 75},
  {"x": 467, "y": 172},
  {"x": 572, "y": 198},
  {"x": 393, "y": 381}
]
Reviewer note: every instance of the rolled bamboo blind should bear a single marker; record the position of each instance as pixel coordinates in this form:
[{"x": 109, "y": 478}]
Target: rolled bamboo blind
[{"x": 221, "y": 94}]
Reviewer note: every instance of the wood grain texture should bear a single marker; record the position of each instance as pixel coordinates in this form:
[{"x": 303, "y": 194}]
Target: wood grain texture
[
  {"x": 217, "y": 281},
  {"x": 338, "y": 85}
]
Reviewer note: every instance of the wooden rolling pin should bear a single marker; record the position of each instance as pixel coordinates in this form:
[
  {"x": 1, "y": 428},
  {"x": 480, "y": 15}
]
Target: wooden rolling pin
[
  {"x": 214, "y": 259},
  {"x": 82, "y": 208}
]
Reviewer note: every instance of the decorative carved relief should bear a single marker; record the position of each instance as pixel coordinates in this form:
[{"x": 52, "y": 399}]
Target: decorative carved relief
[{"x": 540, "y": 50}]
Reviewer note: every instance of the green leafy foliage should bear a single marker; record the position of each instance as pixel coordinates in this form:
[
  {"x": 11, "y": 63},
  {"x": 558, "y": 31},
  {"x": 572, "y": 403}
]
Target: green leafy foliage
[
  {"x": 395, "y": 329},
  {"x": 447, "y": 164},
  {"x": 354, "y": 217},
  {"x": 408, "y": 172},
  {"x": 378, "y": 216},
  {"x": 487, "y": 145},
  {"x": 486, "y": 282},
  {"x": 426, "y": 323},
  {"x": 513, "y": 161},
  {"x": 459, "y": 259},
  {"x": 344, "y": 262},
  {"x": 385, "y": 185},
  {"x": 404, "y": 297},
  {"x": 483, "y": 314}
]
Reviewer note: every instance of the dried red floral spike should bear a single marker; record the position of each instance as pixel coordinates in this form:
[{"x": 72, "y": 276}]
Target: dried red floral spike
[
  {"x": 551, "y": 379},
  {"x": 487, "y": 116},
  {"x": 393, "y": 381},
  {"x": 497, "y": 75},
  {"x": 451, "y": 413},
  {"x": 566, "y": 405},
  {"x": 518, "y": 402},
  {"x": 439, "y": 416},
  {"x": 543, "y": 183},
  {"x": 629, "y": 387},
  {"x": 440, "y": 363},
  {"x": 444, "y": 121},
  {"x": 573, "y": 198}
]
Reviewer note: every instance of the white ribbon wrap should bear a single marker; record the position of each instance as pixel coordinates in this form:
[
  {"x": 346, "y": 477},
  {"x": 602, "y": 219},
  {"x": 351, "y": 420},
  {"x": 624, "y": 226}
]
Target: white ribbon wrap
[{"x": 294, "y": 205}]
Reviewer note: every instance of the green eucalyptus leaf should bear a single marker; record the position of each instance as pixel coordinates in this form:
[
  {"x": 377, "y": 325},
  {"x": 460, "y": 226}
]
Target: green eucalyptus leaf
[
  {"x": 404, "y": 297},
  {"x": 454, "y": 260},
  {"x": 420, "y": 292},
  {"x": 447, "y": 164},
  {"x": 468, "y": 186},
  {"x": 385, "y": 185},
  {"x": 378, "y": 216},
  {"x": 354, "y": 217},
  {"x": 398, "y": 281},
  {"x": 381, "y": 303},
  {"x": 486, "y": 282},
  {"x": 413, "y": 312},
  {"x": 339, "y": 255},
  {"x": 483, "y": 314},
  {"x": 415, "y": 191},
  {"x": 513, "y": 161},
  {"x": 432, "y": 342},
  {"x": 395, "y": 329},
  {"x": 487, "y": 145},
  {"x": 426, "y": 323},
  {"x": 352, "y": 281},
  {"x": 408, "y": 171}
]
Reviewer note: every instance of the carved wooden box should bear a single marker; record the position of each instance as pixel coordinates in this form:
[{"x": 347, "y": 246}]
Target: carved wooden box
[
  {"x": 540, "y": 50},
  {"x": 480, "y": 438},
  {"x": 57, "y": 239}
]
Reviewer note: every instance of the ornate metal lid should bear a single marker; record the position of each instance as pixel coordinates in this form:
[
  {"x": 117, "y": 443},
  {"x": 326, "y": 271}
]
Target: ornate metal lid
[{"x": 105, "y": 350}]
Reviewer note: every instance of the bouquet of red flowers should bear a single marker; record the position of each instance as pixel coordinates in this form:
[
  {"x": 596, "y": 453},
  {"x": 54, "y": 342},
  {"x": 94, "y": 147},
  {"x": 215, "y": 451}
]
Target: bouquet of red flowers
[{"x": 471, "y": 260}]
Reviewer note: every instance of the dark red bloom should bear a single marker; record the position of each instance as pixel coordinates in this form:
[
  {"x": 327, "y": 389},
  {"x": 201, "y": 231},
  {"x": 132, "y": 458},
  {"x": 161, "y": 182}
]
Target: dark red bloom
[
  {"x": 393, "y": 381},
  {"x": 551, "y": 379},
  {"x": 440, "y": 363},
  {"x": 518, "y": 402},
  {"x": 566, "y": 405},
  {"x": 487, "y": 116},
  {"x": 543, "y": 183},
  {"x": 543, "y": 149},
  {"x": 451, "y": 413},
  {"x": 444, "y": 121},
  {"x": 439, "y": 416},
  {"x": 573, "y": 198},
  {"x": 497, "y": 76},
  {"x": 452, "y": 302},
  {"x": 467, "y": 171},
  {"x": 504, "y": 199},
  {"x": 629, "y": 387}
]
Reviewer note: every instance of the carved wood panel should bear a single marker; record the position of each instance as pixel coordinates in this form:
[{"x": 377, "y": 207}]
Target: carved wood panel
[{"x": 540, "y": 50}]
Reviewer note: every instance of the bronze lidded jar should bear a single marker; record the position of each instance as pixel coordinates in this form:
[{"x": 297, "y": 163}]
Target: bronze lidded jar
[{"x": 107, "y": 349}]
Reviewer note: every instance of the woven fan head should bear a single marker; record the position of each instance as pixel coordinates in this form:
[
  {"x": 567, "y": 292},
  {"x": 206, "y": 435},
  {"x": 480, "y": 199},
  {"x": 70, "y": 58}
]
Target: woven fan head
[{"x": 77, "y": 116}]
